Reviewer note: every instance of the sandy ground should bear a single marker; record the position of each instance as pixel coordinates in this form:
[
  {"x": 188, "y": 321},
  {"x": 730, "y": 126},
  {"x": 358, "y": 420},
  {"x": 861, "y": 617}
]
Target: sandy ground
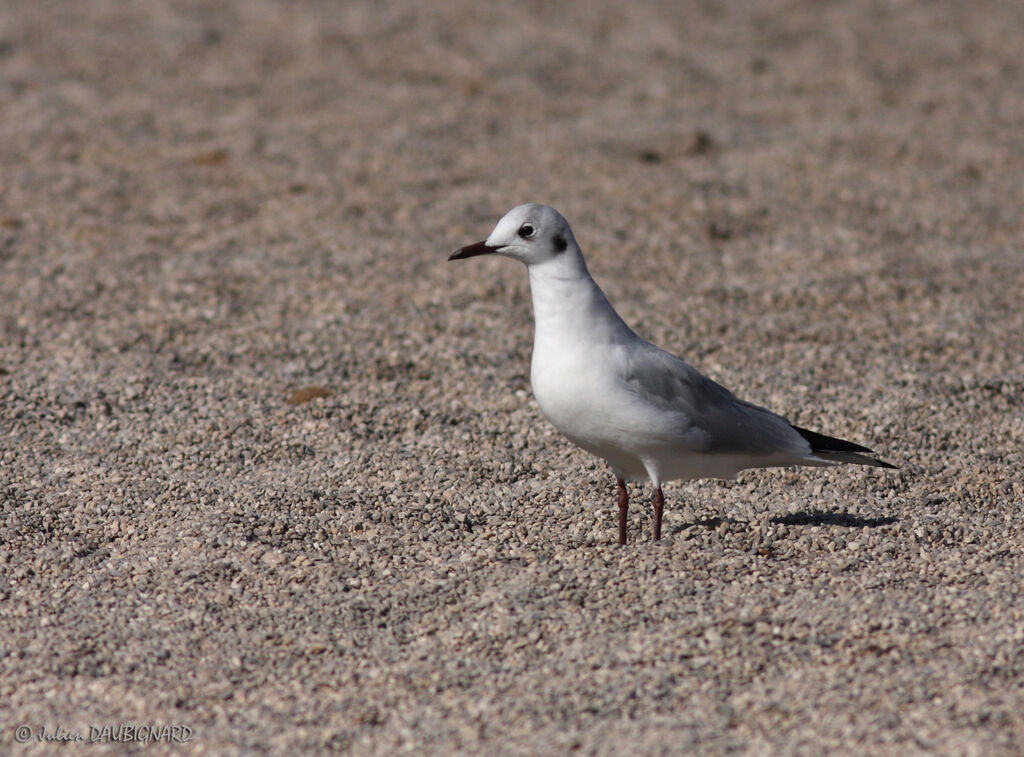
[{"x": 207, "y": 206}]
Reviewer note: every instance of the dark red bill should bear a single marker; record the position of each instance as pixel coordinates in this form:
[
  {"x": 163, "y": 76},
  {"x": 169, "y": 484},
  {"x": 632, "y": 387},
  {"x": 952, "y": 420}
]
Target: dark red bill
[{"x": 471, "y": 251}]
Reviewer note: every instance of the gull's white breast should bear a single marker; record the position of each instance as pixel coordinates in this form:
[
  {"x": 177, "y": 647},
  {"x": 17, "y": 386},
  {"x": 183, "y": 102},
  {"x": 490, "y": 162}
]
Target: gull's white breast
[{"x": 578, "y": 393}]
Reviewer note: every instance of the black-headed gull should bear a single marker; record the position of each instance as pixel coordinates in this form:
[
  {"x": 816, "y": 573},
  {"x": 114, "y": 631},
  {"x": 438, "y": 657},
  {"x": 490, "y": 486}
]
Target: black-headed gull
[{"x": 651, "y": 415}]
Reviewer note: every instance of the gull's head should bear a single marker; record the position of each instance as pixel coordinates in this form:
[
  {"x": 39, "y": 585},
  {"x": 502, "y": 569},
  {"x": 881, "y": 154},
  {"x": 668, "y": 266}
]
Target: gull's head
[{"x": 529, "y": 233}]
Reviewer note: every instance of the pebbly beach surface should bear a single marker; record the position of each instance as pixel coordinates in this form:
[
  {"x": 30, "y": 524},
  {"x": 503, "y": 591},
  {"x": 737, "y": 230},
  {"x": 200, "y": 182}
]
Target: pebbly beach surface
[{"x": 271, "y": 473}]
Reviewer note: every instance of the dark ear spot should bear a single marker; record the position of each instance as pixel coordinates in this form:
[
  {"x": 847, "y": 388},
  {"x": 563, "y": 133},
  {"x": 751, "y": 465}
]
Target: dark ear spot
[{"x": 560, "y": 243}]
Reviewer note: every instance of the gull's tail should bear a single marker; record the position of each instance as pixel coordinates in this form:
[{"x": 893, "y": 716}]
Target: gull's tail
[{"x": 829, "y": 449}]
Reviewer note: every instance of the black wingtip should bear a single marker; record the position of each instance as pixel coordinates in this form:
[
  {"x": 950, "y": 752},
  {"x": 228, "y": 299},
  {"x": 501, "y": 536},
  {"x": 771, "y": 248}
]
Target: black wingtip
[{"x": 821, "y": 444}]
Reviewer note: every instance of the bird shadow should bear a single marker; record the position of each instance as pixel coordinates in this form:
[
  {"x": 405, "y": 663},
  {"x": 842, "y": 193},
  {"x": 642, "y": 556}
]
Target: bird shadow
[
  {"x": 823, "y": 518},
  {"x": 812, "y": 518}
]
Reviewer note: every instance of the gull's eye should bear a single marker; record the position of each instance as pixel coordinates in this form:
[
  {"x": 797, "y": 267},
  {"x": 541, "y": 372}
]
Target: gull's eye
[{"x": 526, "y": 230}]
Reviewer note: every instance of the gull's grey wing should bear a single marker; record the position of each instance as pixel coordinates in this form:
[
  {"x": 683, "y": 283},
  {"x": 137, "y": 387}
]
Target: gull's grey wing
[{"x": 710, "y": 417}]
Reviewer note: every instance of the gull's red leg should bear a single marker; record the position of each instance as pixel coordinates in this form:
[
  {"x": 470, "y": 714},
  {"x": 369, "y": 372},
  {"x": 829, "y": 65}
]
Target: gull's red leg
[
  {"x": 659, "y": 507},
  {"x": 623, "y": 509}
]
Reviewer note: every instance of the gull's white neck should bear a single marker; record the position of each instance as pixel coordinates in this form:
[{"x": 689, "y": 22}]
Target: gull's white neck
[{"x": 569, "y": 307}]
